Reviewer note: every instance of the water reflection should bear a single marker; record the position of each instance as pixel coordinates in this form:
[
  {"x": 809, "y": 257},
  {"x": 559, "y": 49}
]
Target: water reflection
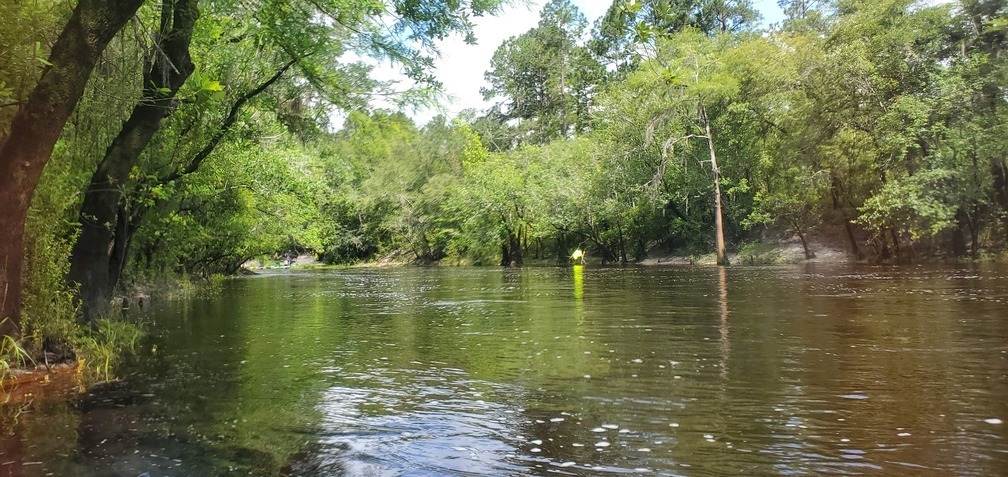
[
  {"x": 508, "y": 372},
  {"x": 578, "y": 271},
  {"x": 723, "y": 329}
]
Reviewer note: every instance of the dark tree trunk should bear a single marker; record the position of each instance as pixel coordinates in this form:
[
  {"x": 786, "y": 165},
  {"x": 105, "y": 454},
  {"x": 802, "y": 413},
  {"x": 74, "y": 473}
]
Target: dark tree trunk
[
  {"x": 883, "y": 247},
  {"x": 896, "y": 244},
  {"x": 622, "y": 245},
  {"x": 100, "y": 252},
  {"x": 561, "y": 255},
  {"x": 835, "y": 190},
  {"x": 850, "y": 237},
  {"x": 514, "y": 247},
  {"x": 959, "y": 235},
  {"x": 27, "y": 148},
  {"x": 974, "y": 227},
  {"x": 511, "y": 249},
  {"x": 809, "y": 254},
  {"x": 999, "y": 169}
]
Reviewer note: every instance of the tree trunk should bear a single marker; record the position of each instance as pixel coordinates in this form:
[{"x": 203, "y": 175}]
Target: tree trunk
[
  {"x": 515, "y": 255},
  {"x": 974, "y": 226},
  {"x": 511, "y": 251},
  {"x": 959, "y": 235},
  {"x": 835, "y": 189},
  {"x": 722, "y": 259},
  {"x": 561, "y": 254},
  {"x": 896, "y": 245},
  {"x": 999, "y": 171},
  {"x": 125, "y": 231},
  {"x": 883, "y": 247},
  {"x": 809, "y": 254},
  {"x": 27, "y": 148},
  {"x": 622, "y": 245},
  {"x": 851, "y": 238},
  {"x": 98, "y": 256}
]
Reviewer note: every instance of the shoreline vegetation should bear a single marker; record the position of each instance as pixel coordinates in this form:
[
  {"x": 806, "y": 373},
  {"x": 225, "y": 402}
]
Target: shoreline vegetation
[
  {"x": 66, "y": 365},
  {"x": 774, "y": 251}
]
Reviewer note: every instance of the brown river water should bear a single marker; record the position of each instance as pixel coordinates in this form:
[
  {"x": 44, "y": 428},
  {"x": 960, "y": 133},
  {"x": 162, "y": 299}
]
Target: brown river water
[{"x": 692, "y": 371}]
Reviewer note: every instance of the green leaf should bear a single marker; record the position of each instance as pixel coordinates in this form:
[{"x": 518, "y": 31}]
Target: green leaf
[{"x": 212, "y": 86}]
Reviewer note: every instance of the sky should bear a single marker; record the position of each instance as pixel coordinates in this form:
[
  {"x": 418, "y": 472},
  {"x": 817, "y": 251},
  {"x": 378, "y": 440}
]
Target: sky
[{"x": 460, "y": 67}]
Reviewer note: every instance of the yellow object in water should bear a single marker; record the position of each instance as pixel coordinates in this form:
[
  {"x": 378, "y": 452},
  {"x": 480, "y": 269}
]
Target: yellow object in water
[{"x": 578, "y": 255}]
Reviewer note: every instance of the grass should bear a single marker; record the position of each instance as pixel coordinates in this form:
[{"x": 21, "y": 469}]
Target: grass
[
  {"x": 186, "y": 287},
  {"x": 101, "y": 349},
  {"x": 12, "y": 355}
]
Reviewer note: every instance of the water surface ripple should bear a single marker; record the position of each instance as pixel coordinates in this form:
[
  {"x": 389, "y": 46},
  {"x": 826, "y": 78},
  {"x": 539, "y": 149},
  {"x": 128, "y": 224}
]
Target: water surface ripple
[{"x": 812, "y": 370}]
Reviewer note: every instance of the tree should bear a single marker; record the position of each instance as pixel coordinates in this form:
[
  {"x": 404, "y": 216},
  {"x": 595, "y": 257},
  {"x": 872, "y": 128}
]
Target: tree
[
  {"x": 881, "y": 120},
  {"x": 626, "y": 23},
  {"x": 494, "y": 205},
  {"x": 283, "y": 36},
  {"x": 544, "y": 76},
  {"x": 793, "y": 200},
  {"x": 106, "y": 226},
  {"x": 26, "y": 148},
  {"x": 678, "y": 92},
  {"x": 797, "y": 13}
]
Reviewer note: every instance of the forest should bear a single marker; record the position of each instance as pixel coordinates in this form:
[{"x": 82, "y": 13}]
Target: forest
[{"x": 149, "y": 140}]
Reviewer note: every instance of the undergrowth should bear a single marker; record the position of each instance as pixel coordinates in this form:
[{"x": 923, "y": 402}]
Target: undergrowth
[
  {"x": 12, "y": 355},
  {"x": 101, "y": 348}
]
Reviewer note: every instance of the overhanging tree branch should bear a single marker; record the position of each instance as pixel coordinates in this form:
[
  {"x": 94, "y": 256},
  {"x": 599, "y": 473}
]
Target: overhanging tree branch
[{"x": 229, "y": 121}]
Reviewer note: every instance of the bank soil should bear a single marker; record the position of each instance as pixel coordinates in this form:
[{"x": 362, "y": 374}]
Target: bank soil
[{"x": 58, "y": 381}]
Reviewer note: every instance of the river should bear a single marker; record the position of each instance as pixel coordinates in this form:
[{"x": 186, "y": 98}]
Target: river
[{"x": 694, "y": 371}]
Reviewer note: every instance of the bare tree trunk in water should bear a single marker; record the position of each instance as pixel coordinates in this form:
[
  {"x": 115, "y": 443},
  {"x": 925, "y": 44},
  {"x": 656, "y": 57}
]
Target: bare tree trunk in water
[
  {"x": 719, "y": 238},
  {"x": 28, "y": 146},
  {"x": 883, "y": 247}
]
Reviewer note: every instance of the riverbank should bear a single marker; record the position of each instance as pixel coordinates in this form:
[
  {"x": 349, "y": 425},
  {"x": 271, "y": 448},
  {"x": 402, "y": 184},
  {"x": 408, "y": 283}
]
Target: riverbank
[
  {"x": 770, "y": 252},
  {"x": 42, "y": 382},
  {"x": 64, "y": 361}
]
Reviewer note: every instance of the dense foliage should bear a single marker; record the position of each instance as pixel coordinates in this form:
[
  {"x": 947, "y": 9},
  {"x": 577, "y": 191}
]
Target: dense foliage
[
  {"x": 880, "y": 123},
  {"x": 876, "y": 126},
  {"x": 180, "y": 137}
]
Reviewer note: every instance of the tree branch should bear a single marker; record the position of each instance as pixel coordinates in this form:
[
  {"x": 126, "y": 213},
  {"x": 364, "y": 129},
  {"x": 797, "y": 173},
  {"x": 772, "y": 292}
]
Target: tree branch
[{"x": 232, "y": 116}]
